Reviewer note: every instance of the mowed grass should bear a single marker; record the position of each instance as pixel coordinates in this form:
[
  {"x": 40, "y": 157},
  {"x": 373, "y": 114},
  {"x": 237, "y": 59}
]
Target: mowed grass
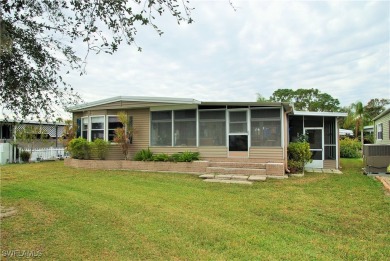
[{"x": 76, "y": 214}]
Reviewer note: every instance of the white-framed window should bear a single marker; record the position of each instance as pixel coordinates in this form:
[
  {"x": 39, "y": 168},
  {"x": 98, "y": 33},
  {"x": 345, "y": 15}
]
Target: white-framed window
[
  {"x": 379, "y": 131},
  {"x": 97, "y": 127},
  {"x": 84, "y": 127},
  {"x": 112, "y": 124}
]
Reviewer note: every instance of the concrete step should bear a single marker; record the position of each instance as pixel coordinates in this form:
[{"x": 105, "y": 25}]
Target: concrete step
[
  {"x": 257, "y": 178},
  {"x": 248, "y": 165},
  {"x": 229, "y": 181},
  {"x": 234, "y": 177},
  {"x": 237, "y": 171}
]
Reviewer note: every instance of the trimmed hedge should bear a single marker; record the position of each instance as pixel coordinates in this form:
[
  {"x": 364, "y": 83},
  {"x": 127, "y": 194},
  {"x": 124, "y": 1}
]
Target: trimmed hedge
[{"x": 147, "y": 155}]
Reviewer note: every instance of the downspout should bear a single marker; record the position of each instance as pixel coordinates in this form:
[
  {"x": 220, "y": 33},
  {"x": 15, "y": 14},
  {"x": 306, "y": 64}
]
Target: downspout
[
  {"x": 338, "y": 143},
  {"x": 286, "y": 138}
]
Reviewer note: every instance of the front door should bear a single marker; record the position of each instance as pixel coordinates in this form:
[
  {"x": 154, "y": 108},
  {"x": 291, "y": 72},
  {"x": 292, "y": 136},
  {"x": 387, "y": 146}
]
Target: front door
[
  {"x": 316, "y": 141},
  {"x": 238, "y": 133}
]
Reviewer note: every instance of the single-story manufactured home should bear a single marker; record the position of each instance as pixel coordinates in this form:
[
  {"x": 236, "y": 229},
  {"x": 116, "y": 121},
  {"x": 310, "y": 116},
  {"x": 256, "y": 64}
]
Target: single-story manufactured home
[{"x": 220, "y": 131}]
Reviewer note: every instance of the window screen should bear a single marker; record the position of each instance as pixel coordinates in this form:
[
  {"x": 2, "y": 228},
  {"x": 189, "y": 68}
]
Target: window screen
[
  {"x": 212, "y": 128},
  {"x": 185, "y": 128},
  {"x": 238, "y": 122},
  {"x": 265, "y": 127},
  {"x": 161, "y": 128}
]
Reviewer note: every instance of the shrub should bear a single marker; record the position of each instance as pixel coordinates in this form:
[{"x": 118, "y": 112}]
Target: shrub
[
  {"x": 369, "y": 139},
  {"x": 147, "y": 155},
  {"x": 79, "y": 148},
  {"x": 349, "y": 148},
  {"x": 25, "y": 156},
  {"x": 186, "y": 156},
  {"x": 298, "y": 155},
  {"x": 101, "y": 147},
  {"x": 162, "y": 157},
  {"x": 144, "y": 155}
]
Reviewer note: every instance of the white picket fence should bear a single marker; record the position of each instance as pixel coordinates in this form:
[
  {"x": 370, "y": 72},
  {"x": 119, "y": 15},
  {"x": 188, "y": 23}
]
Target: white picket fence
[{"x": 47, "y": 154}]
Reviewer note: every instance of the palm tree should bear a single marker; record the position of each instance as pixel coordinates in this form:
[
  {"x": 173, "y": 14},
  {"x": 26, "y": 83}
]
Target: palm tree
[{"x": 359, "y": 109}]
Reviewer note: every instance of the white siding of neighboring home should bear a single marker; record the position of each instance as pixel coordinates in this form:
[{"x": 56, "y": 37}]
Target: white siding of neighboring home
[{"x": 385, "y": 121}]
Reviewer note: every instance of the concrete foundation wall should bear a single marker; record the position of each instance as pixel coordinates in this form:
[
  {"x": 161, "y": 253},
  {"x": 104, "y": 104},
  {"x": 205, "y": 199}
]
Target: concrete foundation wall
[{"x": 271, "y": 169}]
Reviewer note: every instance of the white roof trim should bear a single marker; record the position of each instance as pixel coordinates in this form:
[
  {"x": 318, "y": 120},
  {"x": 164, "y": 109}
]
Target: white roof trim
[
  {"x": 136, "y": 99},
  {"x": 320, "y": 113}
]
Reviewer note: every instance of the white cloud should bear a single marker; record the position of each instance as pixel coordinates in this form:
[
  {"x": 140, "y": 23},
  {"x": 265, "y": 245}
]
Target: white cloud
[{"x": 341, "y": 48}]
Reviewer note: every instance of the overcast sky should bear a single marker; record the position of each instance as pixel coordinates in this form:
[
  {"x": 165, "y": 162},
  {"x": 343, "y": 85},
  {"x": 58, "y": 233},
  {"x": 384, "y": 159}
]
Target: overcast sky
[{"x": 338, "y": 47}]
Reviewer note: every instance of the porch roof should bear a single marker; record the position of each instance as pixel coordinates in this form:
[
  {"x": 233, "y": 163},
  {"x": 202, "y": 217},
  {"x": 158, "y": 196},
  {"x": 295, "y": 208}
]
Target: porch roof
[
  {"x": 286, "y": 105},
  {"x": 165, "y": 100},
  {"x": 161, "y": 101},
  {"x": 320, "y": 113}
]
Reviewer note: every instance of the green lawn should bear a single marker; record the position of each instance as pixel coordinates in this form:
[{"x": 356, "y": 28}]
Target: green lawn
[{"x": 76, "y": 214}]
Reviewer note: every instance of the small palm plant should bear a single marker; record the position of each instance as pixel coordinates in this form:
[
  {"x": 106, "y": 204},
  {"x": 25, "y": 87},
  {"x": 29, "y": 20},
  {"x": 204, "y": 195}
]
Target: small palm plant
[{"x": 124, "y": 135}]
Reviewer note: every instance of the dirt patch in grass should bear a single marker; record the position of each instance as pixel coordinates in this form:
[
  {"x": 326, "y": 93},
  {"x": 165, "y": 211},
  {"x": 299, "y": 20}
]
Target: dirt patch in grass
[{"x": 7, "y": 212}]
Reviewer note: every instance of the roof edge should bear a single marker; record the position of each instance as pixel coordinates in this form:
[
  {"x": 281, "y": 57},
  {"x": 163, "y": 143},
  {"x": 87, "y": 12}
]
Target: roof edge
[
  {"x": 320, "y": 113},
  {"x": 381, "y": 114},
  {"x": 133, "y": 98}
]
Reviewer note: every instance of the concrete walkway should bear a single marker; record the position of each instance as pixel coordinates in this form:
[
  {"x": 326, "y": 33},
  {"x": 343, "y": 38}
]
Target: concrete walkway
[
  {"x": 330, "y": 171},
  {"x": 237, "y": 179},
  {"x": 385, "y": 181}
]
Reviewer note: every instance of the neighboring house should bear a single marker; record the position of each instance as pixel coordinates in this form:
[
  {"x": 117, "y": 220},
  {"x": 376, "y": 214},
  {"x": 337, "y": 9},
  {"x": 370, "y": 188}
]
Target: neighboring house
[
  {"x": 368, "y": 129},
  {"x": 225, "y": 131},
  {"x": 382, "y": 128},
  {"x": 376, "y": 157},
  {"x": 8, "y": 128},
  {"x": 51, "y": 131},
  {"x": 346, "y": 133}
]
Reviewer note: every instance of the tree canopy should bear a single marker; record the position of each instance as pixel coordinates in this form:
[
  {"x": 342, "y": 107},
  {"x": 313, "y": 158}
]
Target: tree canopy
[
  {"x": 38, "y": 37},
  {"x": 306, "y": 99},
  {"x": 373, "y": 108}
]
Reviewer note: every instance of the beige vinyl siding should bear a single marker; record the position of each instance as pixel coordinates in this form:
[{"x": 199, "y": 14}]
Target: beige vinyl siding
[
  {"x": 115, "y": 152},
  {"x": 90, "y": 113},
  {"x": 140, "y": 137},
  {"x": 385, "y": 120},
  {"x": 213, "y": 152},
  {"x": 77, "y": 115},
  {"x": 171, "y": 150},
  {"x": 204, "y": 152},
  {"x": 141, "y": 130},
  {"x": 273, "y": 154}
]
